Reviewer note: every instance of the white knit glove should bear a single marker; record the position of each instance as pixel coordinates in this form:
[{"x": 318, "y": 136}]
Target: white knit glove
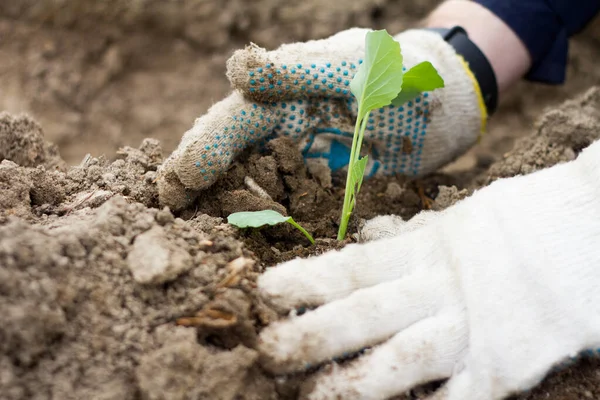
[
  {"x": 302, "y": 91},
  {"x": 491, "y": 292}
]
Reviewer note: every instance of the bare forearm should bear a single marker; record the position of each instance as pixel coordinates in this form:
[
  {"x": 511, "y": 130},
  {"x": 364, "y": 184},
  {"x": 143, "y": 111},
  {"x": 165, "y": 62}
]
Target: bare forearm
[{"x": 504, "y": 50}]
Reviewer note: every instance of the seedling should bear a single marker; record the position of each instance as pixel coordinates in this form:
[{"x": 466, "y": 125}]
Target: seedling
[
  {"x": 379, "y": 82},
  {"x": 256, "y": 219}
]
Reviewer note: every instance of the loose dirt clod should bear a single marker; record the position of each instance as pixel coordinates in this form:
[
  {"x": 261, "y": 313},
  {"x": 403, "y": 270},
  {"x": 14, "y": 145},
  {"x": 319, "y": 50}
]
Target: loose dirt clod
[
  {"x": 225, "y": 375},
  {"x": 154, "y": 259},
  {"x": 22, "y": 141}
]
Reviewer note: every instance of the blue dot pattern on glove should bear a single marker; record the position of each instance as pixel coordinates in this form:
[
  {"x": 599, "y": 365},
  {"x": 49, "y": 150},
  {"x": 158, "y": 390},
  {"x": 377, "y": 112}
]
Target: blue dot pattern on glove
[
  {"x": 394, "y": 139},
  {"x": 318, "y": 113},
  {"x": 270, "y": 82},
  {"x": 240, "y": 131}
]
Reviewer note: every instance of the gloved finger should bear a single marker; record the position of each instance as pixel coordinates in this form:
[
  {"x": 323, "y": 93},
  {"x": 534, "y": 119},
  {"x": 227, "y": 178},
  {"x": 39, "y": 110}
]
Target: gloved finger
[
  {"x": 365, "y": 318},
  {"x": 385, "y": 226},
  {"x": 318, "y": 68},
  {"x": 207, "y": 149},
  {"x": 336, "y": 274},
  {"x": 424, "y": 352},
  {"x": 171, "y": 191},
  {"x": 464, "y": 386},
  {"x": 483, "y": 380}
]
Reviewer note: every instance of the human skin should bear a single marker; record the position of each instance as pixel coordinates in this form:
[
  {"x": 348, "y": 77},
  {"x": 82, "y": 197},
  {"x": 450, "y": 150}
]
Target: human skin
[{"x": 506, "y": 53}]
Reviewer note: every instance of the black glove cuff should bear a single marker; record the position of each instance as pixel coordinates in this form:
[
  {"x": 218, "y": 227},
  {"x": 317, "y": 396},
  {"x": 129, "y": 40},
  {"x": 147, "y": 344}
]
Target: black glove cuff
[{"x": 480, "y": 66}]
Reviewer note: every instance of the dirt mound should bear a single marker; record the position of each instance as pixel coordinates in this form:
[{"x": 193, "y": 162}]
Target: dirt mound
[
  {"x": 560, "y": 135},
  {"x": 79, "y": 319},
  {"x": 38, "y": 188},
  {"x": 104, "y": 295}
]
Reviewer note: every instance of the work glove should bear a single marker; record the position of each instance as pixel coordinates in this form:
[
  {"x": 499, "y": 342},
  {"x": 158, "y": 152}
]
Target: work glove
[
  {"x": 302, "y": 91},
  {"x": 491, "y": 293}
]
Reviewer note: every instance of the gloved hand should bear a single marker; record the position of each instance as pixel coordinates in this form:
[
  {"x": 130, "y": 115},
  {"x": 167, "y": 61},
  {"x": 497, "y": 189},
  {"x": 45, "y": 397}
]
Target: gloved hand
[
  {"x": 302, "y": 91},
  {"x": 491, "y": 292}
]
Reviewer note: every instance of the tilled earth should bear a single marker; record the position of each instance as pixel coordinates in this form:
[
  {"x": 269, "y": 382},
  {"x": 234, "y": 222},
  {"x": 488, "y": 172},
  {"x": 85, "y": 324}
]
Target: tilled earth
[{"x": 104, "y": 294}]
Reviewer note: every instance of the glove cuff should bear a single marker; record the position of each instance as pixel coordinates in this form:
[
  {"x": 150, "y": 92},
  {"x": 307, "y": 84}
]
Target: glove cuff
[{"x": 477, "y": 61}]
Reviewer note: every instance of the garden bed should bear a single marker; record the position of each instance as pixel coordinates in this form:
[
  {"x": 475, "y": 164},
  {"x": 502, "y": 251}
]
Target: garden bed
[
  {"x": 83, "y": 316},
  {"x": 81, "y": 313}
]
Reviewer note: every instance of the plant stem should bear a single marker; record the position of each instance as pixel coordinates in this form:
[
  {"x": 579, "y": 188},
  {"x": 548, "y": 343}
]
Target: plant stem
[
  {"x": 301, "y": 229},
  {"x": 349, "y": 194},
  {"x": 361, "y": 134}
]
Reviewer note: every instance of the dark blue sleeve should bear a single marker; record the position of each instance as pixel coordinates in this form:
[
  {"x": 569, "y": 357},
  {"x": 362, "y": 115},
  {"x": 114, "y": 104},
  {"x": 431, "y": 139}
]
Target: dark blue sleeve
[{"x": 545, "y": 27}]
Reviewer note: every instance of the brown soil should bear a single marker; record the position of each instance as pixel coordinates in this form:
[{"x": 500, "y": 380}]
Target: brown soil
[
  {"x": 83, "y": 316},
  {"x": 81, "y": 313}
]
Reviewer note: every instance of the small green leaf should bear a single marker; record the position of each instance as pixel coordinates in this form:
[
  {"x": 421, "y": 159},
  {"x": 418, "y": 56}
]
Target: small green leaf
[
  {"x": 405, "y": 96},
  {"x": 379, "y": 78},
  {"x": 256, "y": 219},
  {"x": 421, "y": 78}
]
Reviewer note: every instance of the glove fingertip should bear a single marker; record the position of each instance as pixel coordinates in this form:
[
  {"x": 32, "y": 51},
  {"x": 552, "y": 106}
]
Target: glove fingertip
[
  {"x": 194, "y": 171},
  {"x": 464, "y": 385},
  {"x": 248, "y": 71},
  {"x": 172, "y": 193},
  {"x": 278, "y": 349}
]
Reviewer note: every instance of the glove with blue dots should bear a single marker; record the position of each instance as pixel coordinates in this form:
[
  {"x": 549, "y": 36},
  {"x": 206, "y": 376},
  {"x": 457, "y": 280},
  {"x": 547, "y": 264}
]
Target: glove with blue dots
[{"x": 302, "y": 91}]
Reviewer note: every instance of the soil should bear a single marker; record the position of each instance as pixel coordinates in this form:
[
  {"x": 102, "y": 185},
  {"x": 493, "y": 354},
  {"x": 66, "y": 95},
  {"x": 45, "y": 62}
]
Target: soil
[{"x": 106, "y": 295}]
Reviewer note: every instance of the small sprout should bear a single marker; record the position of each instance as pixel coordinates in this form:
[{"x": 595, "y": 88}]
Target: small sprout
[
  {"x": 380, "y": 82},
  {"x": 256, "y": 219}
]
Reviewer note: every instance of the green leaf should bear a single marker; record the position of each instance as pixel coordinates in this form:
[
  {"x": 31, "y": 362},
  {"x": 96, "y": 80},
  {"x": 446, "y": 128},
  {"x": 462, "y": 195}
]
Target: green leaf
[
  {"x": 405, "y": 96},
  {"x": 379, "y": 78},
  {"x": 256, "y": 219},
  {"x": 421, "y": 78}
]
